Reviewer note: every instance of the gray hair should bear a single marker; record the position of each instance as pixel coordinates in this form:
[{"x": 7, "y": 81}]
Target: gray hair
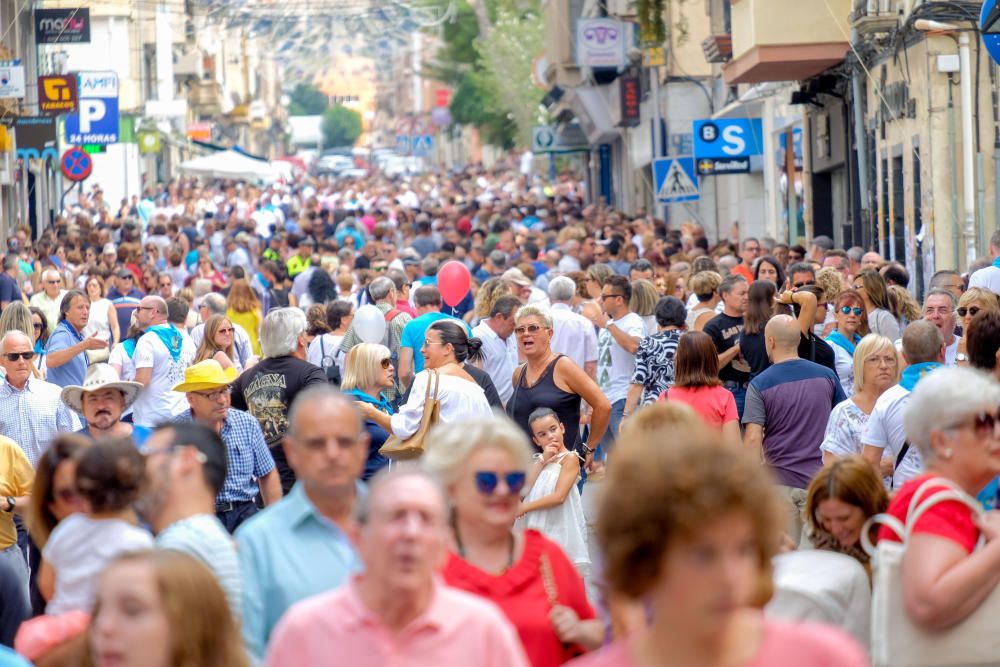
[
  {"x": 279, "y": 334},
  {"x": 562, "y": 289},
  {"x": 529, "y": 311},
  {"x": 385, "y": 476},
  {"x": 215, "y": 302},
  {"x": 451, "y": 445},
  {"x": 943, "y": 398},
  {"x": 498, "y": 258},
  {"x": 13, "y": 334},
  {"x": 940, "y": 291},
  {"x": 10, "y": 261},
  {"x": 380, "y": 288}
]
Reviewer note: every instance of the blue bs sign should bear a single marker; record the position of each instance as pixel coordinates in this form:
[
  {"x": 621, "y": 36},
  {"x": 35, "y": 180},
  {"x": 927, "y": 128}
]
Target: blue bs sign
[
  {"x": 725, "y": 146},
  {"x": 96, "y": 119},
  {"x": 989, "y": 21}
]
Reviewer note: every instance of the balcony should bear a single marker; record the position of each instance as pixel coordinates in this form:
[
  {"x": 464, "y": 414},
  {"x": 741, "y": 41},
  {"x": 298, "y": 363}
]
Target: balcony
[
  {"x": 718, "y": 48},
  {"x": 807, "y": 40},
  {"x": 872, "y": 17}
]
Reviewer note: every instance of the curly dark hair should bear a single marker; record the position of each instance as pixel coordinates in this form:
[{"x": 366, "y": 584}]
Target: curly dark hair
[{"x": 110, "y": 474}]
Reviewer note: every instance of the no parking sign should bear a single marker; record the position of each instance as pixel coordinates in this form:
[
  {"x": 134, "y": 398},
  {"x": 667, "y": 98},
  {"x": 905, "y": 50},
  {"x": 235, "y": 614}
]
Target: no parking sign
[{"x": 76, "y": 165}]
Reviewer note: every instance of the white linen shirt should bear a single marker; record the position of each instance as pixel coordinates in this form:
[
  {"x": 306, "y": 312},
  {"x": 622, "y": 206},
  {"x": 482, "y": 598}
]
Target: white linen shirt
[
  {"x": 499, "y": 358},
  {"x": 573, "y": 335}
]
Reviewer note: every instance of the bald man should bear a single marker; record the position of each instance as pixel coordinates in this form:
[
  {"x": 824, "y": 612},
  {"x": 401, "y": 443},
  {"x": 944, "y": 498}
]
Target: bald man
[{"x": 786, "y": 411}]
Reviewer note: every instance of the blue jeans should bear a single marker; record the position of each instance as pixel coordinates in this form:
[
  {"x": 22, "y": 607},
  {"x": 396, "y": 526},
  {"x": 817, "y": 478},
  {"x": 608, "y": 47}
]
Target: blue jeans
[
  {"x": 740, "y": 396},
  {"x": 608, "y": 441},
  {"x": 14, "y": 604},
  {"x": 233, "y": 518}
]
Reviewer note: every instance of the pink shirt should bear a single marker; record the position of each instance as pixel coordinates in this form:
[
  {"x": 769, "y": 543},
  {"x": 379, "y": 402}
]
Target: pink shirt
[
  {"x": 716, "y": 405},
  {"x": 785, "y": 644},
  {"x": 457, "y": 629}
]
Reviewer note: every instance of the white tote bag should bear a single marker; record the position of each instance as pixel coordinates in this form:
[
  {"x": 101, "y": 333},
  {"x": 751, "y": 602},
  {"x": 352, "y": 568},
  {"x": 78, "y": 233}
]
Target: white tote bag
[{"x": 896, "y": 640}]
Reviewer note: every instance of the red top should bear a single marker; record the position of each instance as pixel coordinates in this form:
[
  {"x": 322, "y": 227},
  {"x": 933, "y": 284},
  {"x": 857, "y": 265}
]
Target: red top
[
  {"x": 716, "y": 405},
  {"x": 742, "y": 270},
  {"x": 520, "y": 594},
  {"x": 949, "y": 519}
]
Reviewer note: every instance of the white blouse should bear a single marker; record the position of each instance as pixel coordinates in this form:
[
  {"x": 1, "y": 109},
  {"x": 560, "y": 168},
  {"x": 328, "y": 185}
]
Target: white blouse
[{"x": 460, "y": 399}]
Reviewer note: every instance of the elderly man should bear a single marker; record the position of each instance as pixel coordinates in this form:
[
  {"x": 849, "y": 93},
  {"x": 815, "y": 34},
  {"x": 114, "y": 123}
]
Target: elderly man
[
  {"x": 939, "y": 310},
  {"x": 215, "y": 304},
  {"x": 499, "y": 344},
  {"x": 10, "y": 291},
  {"x": 521, "y": 285},
  {"x": 31, "y": 410},
  {"x": 572, "y": 333},
  {"x": 66, "y": 351},
  {"x": 50, "y": 297},
  {"x": 250, "y": 465},
  {"x": 871, "y": 260},
  {"x": 301, "y": 546},
  {"x": 397, "y": 606},
  {"x": 161, "y": 355},
  {"x": 186, "y": 468},
  {"x": 101, "y": 400},
  {"x": 267, "y": 390}
]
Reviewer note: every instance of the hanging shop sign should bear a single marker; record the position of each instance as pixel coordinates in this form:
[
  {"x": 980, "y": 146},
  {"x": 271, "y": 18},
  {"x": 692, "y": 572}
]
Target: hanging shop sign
[{"x": 62, "y": 26}]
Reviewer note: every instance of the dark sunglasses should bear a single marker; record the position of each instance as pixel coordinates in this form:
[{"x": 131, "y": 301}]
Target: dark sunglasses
[
  {"x": 487, "y": 481},
  {"x": 226, "y": 331},
  {"x": 803, "y": 284},
  {"x": 67, "y": 495},
  {"x": 982, "y": 423},
  {"x": 37, "y": 325},
  {"x": 971, "y": 310},
  {"x": 386, "y": 363},
  {"x": 846, "y": 310},
  {"x": 611, "y": 296},
  {"x": 531, "y": 328},
  {"x": 14, "y": 356}
]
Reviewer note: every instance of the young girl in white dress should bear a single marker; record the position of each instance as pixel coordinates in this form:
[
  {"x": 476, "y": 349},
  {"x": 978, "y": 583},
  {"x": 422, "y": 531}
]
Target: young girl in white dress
[{"x": 552, "y": 504}]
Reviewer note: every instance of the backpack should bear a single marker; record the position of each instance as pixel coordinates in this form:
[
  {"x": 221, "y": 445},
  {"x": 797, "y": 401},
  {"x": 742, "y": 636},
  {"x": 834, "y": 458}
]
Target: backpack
[{"x": 333, "y": 370}]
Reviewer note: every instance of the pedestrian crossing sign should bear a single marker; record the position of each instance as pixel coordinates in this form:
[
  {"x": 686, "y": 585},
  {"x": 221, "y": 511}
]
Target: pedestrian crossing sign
[{"x": 676, "y": 180}]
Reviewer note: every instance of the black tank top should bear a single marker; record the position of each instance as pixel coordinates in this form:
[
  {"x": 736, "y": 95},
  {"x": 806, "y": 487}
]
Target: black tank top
[{"x": 545, "y": 394}]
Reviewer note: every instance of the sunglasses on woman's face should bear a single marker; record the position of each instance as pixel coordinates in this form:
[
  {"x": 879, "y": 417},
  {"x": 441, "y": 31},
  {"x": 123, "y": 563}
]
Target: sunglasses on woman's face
[
  {"x": 846, "y": 310},
  {"x": 971, "y": 310},
  {"x": 66, "y": 495},
  {"x": 487, "y": 481},
  {"x": 983, "y": 423},
  {"x": 531, "y": 328}
]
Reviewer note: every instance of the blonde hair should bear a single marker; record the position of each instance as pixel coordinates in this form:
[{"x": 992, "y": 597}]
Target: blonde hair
[
  {"x": 832, "y": 282},
  {"x": 644, "y": 298},
  {"x": 704, "y": 283},
  {"x": 487, "y": 294},
  {"x": 870, "y": 345},
  {"x": 451, "y": 445},
  {"x": 364, "y": 363},
  {"x": 529, "y": 311},
  {"x": 905, "y": 305},
  {"x": 209, "y": 347},
  {"x": 987, "y": 298}
]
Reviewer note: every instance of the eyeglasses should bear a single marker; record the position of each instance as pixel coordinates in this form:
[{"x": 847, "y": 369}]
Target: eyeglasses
[
  {"x": 531, "y": 328},
  {"x": 145, "y": 308},
  {"x": 971, "y": 310},
  {"x": 166, "y": 285},
  {"x": 213, "y": 395},
  {"x": 52, "y": 282},
  {"x": 386, "y": 363},
  {"x": 227, "y": 330},
  {"x": 487, "y": 481},
  {"x": 803, "y": 284},
  {"x": 604, "y": 297},
  {"x": 14, "y": 356},
  {"x": 751, "y": 248},
  {"x": 847, "y": 310}
]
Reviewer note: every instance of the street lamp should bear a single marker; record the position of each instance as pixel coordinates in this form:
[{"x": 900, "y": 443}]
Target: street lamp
[{"x": 968, "y": 157}]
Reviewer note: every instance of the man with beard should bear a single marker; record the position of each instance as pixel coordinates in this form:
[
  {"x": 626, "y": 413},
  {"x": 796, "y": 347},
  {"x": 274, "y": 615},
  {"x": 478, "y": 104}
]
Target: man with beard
[
  {"x": 101, "y": 400},
  {"x": 185, "y": 469}
]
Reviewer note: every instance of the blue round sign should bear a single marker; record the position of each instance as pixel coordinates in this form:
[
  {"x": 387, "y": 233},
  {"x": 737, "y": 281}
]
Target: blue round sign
[
  {"x": 989, "y": 25},
  {"x": 76, "y": 165}
]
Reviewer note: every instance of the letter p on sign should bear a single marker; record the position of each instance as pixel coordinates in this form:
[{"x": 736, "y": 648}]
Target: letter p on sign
[{"x": 91, "y": 111}]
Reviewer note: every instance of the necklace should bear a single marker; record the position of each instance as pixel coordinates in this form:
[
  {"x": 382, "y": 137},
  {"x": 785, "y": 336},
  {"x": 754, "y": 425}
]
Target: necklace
[{"x": 510, "y": 549}]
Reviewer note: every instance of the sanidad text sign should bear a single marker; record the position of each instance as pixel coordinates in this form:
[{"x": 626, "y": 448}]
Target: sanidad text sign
[
  {"x": 725, "y": 145},
  {"x": 62, "y": 26},
  {"x": 96, "y": 121}
]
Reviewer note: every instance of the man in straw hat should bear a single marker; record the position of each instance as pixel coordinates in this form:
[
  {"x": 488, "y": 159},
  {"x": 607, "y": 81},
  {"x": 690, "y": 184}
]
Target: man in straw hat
[
  {"x": 250, "y": 464},
  {"x": 101, "y": 400}
]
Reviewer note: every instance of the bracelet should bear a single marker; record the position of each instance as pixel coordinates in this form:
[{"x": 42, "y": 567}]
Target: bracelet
[
  {"x": 11, "y": 504},
  {"x": 586, "y": 449}
]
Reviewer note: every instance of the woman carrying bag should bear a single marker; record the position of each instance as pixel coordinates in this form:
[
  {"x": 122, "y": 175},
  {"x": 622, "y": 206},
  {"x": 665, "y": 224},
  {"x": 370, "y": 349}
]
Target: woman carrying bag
[{"x": 935, "y": 598}]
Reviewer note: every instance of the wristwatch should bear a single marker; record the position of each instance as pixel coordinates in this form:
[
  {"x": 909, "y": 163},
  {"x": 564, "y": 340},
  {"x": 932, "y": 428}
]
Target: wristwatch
[
  {"x": 11, "y": 504},
  {"x": 586, "y": 449},
  {"x": 961, "y": 356}
]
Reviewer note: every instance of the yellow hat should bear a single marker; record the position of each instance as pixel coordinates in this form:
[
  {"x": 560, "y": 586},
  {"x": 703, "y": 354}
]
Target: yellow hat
[{"x": 206, "y": 374}]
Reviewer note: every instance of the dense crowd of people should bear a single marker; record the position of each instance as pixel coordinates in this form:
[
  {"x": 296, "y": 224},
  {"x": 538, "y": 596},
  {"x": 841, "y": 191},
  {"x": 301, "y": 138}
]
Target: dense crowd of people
[{"x": 472, "y": 419}]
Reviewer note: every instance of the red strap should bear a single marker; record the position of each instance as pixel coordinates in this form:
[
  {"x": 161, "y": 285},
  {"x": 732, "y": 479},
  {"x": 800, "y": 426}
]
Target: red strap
[{"x": 391, "y": 315}]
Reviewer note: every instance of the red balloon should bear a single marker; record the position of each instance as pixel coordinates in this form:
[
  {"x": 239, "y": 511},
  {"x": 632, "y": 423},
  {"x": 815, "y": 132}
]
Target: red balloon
[{"x": 453, "y": 282}]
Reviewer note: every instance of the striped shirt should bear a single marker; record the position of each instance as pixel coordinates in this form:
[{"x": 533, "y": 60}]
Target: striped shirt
[
  {"x": 204, "y": 537},
  {"x": 33, "y": 416}
]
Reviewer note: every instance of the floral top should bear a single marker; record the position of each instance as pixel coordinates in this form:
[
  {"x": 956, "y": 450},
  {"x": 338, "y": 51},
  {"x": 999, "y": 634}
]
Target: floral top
[
  {"x": 654, "y": 364},
  {"x": 844, "y": 429}
]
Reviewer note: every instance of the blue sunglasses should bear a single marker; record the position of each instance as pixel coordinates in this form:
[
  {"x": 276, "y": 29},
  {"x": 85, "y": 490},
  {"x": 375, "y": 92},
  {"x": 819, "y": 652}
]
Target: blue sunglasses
[{"x": 487, "y": 481}]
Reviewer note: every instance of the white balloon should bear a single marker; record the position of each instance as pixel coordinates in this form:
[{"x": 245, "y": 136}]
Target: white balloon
[{"x": 369, "y": 324}]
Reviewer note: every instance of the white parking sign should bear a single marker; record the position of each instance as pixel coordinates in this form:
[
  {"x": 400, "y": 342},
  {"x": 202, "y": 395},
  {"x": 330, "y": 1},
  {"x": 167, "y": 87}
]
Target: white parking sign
[{"x": 96, "y": 122}]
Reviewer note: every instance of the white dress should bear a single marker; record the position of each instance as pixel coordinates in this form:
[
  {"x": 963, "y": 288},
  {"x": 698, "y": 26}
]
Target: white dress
[{"x": 565, "y": 525}]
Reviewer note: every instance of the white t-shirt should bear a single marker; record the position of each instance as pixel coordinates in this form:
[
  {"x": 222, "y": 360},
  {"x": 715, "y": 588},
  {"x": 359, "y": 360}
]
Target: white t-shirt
[
  {"x": 614, "y": 365},
  {"x": 324, "y": 351},
  {"x": 573, "y": 335},
  {"x": 885, "y": 429},
  {"x": 79, "y": 549},
  {"x": 844, "y": 429},
  {"x": 499, "y": 359},
  {"x": 988, "y": 278},
  {"x": 120, "y": 358},
  {"x": 204, "y": 537},
  {"x": 158, "y": 402},
  {"x": 951, "y": 352}
]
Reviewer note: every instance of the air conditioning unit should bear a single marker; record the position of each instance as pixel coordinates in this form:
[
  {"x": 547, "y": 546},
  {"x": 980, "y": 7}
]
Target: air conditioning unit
[
  {"x": 189, "y": 64},
  {"x": 876, "y": 16}
]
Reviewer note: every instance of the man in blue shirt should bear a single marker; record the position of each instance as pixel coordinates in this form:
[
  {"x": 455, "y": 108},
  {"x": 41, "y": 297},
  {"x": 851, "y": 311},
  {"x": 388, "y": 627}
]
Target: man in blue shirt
[
  {"x": 101, "y": 400},
  {"x": 9, "y": 291},
  {"x": 299, "y": 547},
  {"x": 66, "y": 352},
  {"x": 428, "y": 302}
]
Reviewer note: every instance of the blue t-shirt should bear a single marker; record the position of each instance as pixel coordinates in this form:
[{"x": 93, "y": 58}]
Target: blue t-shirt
[
  {"x": 140, "y": 434},
  {"x": 10, "y": 659},
  {"x": 74, "y": 370},
  {"x": 467, "y": 303},
  {"x": 792, "y": 400},
  {"x": 416, "y": 330},
  {"x": 9, "y": 291}
]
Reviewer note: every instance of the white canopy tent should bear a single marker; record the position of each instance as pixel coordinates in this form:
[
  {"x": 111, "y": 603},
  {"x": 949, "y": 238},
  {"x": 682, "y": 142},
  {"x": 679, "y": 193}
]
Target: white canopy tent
[{"x": 232, "y": 165}]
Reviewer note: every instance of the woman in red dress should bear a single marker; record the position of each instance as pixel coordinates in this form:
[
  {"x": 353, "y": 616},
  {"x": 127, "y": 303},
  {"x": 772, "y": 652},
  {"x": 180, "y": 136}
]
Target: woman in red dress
[{"x": 483, "y": 465}]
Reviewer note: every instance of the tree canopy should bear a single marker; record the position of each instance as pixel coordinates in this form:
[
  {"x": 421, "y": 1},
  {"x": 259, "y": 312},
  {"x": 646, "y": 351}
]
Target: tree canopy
[
  {"x": 307, "y": 100},
  {"x": 340, "y": 126}
]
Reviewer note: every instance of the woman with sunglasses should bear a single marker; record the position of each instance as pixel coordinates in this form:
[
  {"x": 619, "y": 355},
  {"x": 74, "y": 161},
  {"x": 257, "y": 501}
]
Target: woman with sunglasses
[
  {"x": 550, "y": 380},
  {"x": 875, "y": 293},
  {"x": 40, "y": 333},
  {"x": 852, "y": 325},
  {"x": 218, "y": 343},
  {"x": 367, "y": 373},
  {"x": 951, "y": 419},
  {"x": 483, "y": 465},
  {"x": 973, "y": 301}
]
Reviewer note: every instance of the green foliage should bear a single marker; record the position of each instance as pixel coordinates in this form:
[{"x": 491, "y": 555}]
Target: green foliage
[
  {"x": 340, "y": 126},
  {"x": 307, "y": 100}
]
